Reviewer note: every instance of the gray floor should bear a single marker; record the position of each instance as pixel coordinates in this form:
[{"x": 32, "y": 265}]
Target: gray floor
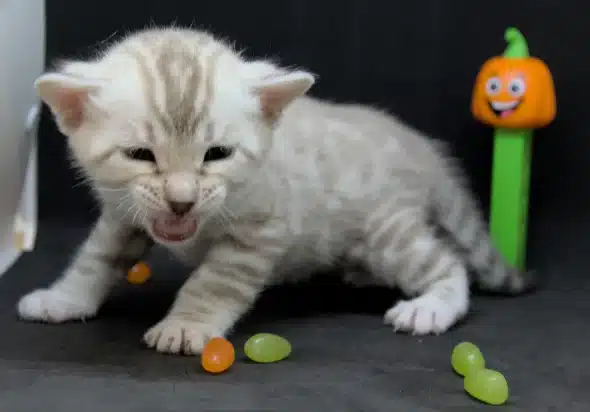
[{"x": 343, "y": 358}]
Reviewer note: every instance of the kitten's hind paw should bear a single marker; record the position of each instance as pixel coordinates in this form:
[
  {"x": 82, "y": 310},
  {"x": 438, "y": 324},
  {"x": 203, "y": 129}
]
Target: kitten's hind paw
[
  {"x": 179, "y": 336},
  {"x": 424, "y": 315},
  {"x": 54, "y": 306}
]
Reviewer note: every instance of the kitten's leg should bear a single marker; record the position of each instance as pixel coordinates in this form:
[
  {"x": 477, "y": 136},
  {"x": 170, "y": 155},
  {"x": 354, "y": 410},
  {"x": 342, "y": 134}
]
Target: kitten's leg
[
  {"x": 110, "y": 249},
  {"x": 214, "y": 297},
  {"x": 406, "y": 252}
]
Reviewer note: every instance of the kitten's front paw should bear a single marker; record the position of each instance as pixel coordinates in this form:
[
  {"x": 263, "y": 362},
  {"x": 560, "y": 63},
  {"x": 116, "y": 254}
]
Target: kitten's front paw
[
  {"x": 179, "y": 336},
  {"x": 422, "y": 315},
  {"x": 54, "y": 306}
]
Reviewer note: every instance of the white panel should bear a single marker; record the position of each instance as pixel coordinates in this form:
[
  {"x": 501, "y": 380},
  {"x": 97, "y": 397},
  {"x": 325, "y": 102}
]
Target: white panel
[{"x": 22, "y": 55}]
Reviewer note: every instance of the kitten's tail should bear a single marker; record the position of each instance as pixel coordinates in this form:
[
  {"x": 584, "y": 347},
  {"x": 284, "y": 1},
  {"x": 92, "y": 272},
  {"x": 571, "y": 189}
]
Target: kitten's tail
[{"x": 458, "y": 213}]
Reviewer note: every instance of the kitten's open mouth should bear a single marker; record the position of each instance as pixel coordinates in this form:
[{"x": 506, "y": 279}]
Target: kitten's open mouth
[{"x": 174, "y": 229}]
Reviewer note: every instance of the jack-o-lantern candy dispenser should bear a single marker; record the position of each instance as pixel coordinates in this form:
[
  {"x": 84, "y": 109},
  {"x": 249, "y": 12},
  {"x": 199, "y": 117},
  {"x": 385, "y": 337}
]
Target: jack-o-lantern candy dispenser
[{"x": 515, "y": 94}]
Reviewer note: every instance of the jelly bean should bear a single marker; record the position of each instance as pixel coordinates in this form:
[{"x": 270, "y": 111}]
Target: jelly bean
[
  {"x": 218, "y": 355},
  {"x": 467, "y": 357},
  {"x": 139, "y": 273},
  {"x": 487, "y": 385},
  {"x": 267, "y": 348}
]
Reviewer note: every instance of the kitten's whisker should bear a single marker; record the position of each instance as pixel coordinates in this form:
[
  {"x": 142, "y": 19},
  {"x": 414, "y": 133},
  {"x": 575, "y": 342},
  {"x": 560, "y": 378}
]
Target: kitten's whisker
[
  {"x": 135, "y": 216},
  {"x": 123, "y": 201},
  {"x": 129, "y": 210},
  {"x": 221, "y": 221},
  {"x": 111, "y": 189},
  {"x": 224, "y": 221},
  {"x": 224, "y": 209},
  {"x": 81, "y": 182},
  {"x": 224, "y": 216}
]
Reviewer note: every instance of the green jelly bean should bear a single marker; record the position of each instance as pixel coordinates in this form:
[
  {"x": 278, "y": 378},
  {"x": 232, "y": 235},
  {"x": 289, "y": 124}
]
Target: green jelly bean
[
  {"x": 487, "y": 385},
  {"x": 267, "y": 348},
  {"x": 466, "y": 358}
]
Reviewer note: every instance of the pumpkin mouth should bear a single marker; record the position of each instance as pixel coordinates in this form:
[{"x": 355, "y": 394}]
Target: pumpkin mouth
[{"x": 504, "y": 109}]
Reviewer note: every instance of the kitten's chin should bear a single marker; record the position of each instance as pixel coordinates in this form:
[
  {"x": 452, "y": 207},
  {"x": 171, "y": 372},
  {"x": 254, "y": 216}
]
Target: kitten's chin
[{"x": 173, "y": 229}]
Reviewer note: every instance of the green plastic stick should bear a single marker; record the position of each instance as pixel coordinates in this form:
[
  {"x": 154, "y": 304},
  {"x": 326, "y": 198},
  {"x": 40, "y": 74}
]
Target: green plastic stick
[{"x": 511, "y": 177}]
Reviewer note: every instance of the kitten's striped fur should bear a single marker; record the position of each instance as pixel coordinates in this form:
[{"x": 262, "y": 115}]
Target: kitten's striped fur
[{"x": 309, "y": 184}]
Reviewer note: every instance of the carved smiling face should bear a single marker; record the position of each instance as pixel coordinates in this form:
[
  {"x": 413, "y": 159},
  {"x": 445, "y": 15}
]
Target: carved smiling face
[
  {"x": 514, "y": 93},
  {"x": 505, "y": 93}
]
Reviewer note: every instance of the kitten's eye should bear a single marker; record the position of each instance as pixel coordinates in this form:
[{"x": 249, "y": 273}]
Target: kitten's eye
[
  {"x": 140, "y": 154},
  {"x": 218, "y": 153}
]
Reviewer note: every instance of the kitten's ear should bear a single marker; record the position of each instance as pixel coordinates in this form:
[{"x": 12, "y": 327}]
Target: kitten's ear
[
  {"x": 67, "y": 97},
  {"x": 276, "y": 92}
]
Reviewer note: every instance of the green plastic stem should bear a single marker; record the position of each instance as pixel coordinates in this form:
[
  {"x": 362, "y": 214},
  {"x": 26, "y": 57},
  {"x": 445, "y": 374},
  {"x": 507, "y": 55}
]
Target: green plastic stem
[
  {"x": 517, "y": 44},
  {"x": 510, "y": 193},
  {"x": 511, "y": 177}
]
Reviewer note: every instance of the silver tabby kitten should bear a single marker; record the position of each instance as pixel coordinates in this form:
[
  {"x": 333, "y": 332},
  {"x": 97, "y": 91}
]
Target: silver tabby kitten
[{"x": 226, "y": 163}]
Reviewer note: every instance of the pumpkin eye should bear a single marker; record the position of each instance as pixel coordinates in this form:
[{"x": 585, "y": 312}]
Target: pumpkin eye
[
  {"x": 493, "y": 86},
  {"x": 516, "y": 87}
]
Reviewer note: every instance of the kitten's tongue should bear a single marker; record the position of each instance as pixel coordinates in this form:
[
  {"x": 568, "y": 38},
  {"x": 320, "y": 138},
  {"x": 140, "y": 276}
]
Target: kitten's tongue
[{"x": 174, "y": 229}]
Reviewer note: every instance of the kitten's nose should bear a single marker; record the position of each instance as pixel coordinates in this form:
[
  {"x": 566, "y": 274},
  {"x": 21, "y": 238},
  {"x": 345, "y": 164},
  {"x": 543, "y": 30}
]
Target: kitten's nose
[{"x": 181, "y": 208}]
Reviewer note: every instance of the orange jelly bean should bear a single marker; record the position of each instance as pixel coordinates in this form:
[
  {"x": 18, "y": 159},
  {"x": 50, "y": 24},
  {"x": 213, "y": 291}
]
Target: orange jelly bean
[
  {"x": 218, "y": 355},
  {"x": 139, "y": 273}
]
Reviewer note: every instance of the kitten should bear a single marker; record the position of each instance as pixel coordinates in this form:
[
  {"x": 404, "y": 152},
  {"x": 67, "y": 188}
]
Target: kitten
[{"x": 225, "y": 162}]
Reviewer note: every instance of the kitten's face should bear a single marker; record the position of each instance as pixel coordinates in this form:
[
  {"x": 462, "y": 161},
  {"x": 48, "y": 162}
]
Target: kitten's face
[
  {"x": 171, "y": 182},
  {"x": 166, "y": 134}
]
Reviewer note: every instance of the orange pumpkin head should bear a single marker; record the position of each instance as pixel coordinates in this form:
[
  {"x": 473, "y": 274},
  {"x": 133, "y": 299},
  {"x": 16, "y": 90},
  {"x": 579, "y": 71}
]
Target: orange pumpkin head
[{"x": 514, "y": 92}]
